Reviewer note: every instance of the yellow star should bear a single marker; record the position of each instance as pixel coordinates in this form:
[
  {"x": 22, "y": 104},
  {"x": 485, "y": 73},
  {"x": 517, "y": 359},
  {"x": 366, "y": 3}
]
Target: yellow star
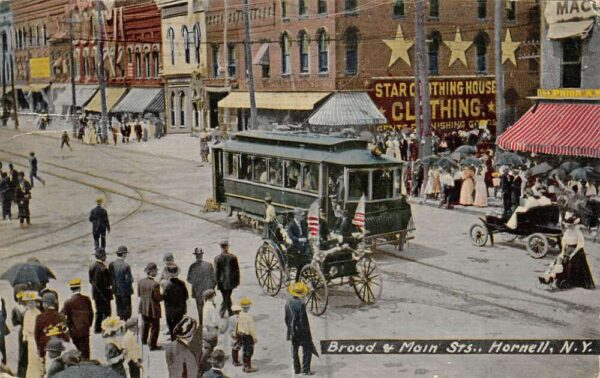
[
  {"x": 399, "y": 47},
  {"x": 509, "y": 48},
  {"x": 458, "y": 48},
  {"x": 492, "y": 107}
]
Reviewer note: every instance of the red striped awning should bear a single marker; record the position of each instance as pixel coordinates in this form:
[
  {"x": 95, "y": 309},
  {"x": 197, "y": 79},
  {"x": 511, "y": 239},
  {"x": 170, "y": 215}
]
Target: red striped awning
[{"x": 556, "y": 129}]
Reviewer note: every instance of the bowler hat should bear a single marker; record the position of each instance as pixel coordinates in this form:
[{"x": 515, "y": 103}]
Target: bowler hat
[
  {"x": 168, "y": 257},
  {"x": 100, "y": 252},
  {"x": 217, "y": 357},
  {"x": 198, "y": 251},
  {"x": 49, "y": 298},
  {"x": 121, "y": 250},
  {"x": 150, "y": 267},
  {"x": 223, "y": 242}
]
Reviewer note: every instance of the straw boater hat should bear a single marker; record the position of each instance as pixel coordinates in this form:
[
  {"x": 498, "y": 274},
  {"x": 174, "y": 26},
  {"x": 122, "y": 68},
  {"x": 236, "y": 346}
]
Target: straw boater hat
[
  {"x": 298, "y": 289},
  {"x": 55, "y": 330},
  {"x": 110, "y": 326},
  {"x": 75, "y": 283}
]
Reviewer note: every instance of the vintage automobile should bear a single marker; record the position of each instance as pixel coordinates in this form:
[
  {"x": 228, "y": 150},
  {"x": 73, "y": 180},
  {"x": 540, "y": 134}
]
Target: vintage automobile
[{"x": 539, "y": 225}]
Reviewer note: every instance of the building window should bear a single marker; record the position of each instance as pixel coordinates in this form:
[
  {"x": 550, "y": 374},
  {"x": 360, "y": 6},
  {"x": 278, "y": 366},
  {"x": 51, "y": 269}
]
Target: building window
[
  {"x": 285, "y": 54},
  {"x": 30, "y": 37},
  {"x": 434, "y": 8},
  {"x": 266, "y": 70},
  {"x": 350, "y": 6},
  {"x": 138, "y": 61},
  {"x": 93, "y": 64},
  {"x": 231, "y": 63},
  {"x": 304, "y": 48},
  {"x": 172, "y": 106},
  {"x": 215, "y": 61},
  {"x": 399, "y": 8},
  {"x": 181, "y": 109},
  {"x": 301, "y": 8},
  {"x": 481, "y": 9},
  {"x": 322, "y": 6},
  {"x": 77, "y": 59},
  {"x": 171, "y": 38},
  {"x": 186, "y": 43},
  {"x": 481, "y": 42},
  {"x": 156, "y": 61},
  {"x": 37, "y": 35},
  {"x": 197, "y": 43},
  {"x": 511, "y": 10},
  {"x": 571, "y": 63},
  {"x": 86, "y": 64},
  {"x": 433, "y": 49},
  {"x": 284, "y": 9},
  {"x": 45, "y": 33},
  {"x": 351, "y": 41},
  {"x": 323, "y": 47},
  {"x": 147, "y": 64}
]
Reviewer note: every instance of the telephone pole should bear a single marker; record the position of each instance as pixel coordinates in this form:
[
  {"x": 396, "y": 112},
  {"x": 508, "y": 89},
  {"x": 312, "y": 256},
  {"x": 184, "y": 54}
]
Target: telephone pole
[
  {"x": 225, "y": 57},
  {"x": 498, "y": 22},
  {"x": 72, "y": 64},
  {"x": 14, "y": 92},
  {"x": 4, "y": 48},
  {"x": 423, "y": 112},
  {"x": 100, "y": 72},
  {"x": 248, "y": 59}
]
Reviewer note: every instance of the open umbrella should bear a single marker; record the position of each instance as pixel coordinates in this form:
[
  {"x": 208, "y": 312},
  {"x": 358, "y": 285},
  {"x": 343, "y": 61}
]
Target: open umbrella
[
  {"x": 568, "y": 166},
  {"x": 466, "y": 149},
  {"x": 428, "y": 160},
  {"x": 585, "y": 173},
  {"x": 508, "y": 158},
  {"x": 540, "y": 169},
  {"x": 458, "y": 156},
  {"x": 27, "y": 272},
  {"x": 445, "y": 163},
  {"x": 87, "y": 369},
  {"x": 558, "y": 172},
  {"x": 471, "y": 161}
]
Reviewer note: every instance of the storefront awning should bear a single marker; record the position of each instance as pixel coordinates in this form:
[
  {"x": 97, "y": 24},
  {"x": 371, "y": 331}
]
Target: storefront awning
[
  {"x": 346, "y": 109},
  {"x": 37, "y": 88},
  {"x": 113, "y": 96},
  {"x": 83, "y": 94},
  {"x": 158, "y": 104},
  {"x": 578, "y": 29},
  {"x": 262, "y": 56},
  {"x": 557, "y": 128},
  {"x": 274, "y": 100},
  {"x": 137, "y": 100}
]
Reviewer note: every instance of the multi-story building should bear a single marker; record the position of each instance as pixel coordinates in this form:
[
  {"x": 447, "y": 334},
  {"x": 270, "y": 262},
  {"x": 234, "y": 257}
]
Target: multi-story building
[
  {"x": 325, "y": 46},
  {"x": 565, "y": 115},
  {"x": 7, "y": 58},
  {"x": 184, "y": 59}
]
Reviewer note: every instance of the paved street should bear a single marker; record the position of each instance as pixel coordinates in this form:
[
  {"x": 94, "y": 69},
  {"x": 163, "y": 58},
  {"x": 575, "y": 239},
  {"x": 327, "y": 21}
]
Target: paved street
[{"x": 440, "y": 287}]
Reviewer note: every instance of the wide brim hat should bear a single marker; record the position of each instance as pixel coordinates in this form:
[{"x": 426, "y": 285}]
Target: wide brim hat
[
  {"x": 171, "y": 269},
  {"x": 151, "y": 267},
  {"x": 217, "y": 357},
  {"x": 245, "y": 302},
  {"x": 121, "y": 250},
  {"x": 571, "y": 218},
  {"x": 30, "y": 295},
  {"x": 198, "y": 251},
  {"x": 186, "y": 328},
  {"x": 99, "y": 200},
  {"x": 298, "y": 289},
  {"x": 100, "y": 252},
  {"x": 75, "y": 283},
  {"x": 111, "y": 326}
]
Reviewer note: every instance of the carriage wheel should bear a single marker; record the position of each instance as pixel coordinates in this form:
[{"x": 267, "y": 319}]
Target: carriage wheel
[
  {"x": 478, "y": 234},
  {"x": 367, "y": 282},
  {"x": 269, "y": 270},
  {"x": 508, "y": 238},
  {"x": 317, "y": 297},
  {"x": 537, "y": 245}
]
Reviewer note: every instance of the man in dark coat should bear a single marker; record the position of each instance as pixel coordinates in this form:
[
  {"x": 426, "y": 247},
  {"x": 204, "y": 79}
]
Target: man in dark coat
[
  {"x": 22, "y": 198},
  {"x": 122, "y": 283},
  {"x": 175, "y": 297},
  {"x": 49, "y": 323},
  {"x": 6, "y": 195},
  {"x": 506, "y": 182},
  {"x": 3, "y": 330},
  {"x": 33, "y": 168},
  {"x": 150, "y": 297},
  {"x": 100, "y": 224},
  {"x": 101, "y": 282},
  {"x": 228, "y": 275},
  {"x": 13, "y": 180},
  {"x": 201, "y": 276},
  {"x": 298, "y": 328},
  {"x": 79, "y": 318},
  {"x": 297, "y": 230}
]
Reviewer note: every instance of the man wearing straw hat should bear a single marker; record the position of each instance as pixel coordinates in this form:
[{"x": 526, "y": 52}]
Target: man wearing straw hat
[
  {"x": 79, "y": 318},
  {"x": 298, "y": 328},
  {"x": 100, "y": 224}
]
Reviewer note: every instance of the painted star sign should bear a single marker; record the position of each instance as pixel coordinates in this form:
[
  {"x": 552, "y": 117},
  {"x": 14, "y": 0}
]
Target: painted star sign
[
  {"x": 509, "y": 48},
  {"x": 458, "y": 47},
  {"x": 399, "y": 47}
]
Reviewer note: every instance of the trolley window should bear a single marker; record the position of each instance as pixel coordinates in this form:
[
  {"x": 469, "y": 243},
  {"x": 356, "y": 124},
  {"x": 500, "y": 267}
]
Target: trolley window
[
  {"x": 292, "y": 175},
  {"x": 245, "y": 172},
  {"x": 310, "y": 177},
  {"x": 260, "y": 170},
  {"x": 359, "y": 184},
  {"x": 231, "y": 165},
  {"x": 275, "y": 172},
  {"x": 383, "y": 184}
]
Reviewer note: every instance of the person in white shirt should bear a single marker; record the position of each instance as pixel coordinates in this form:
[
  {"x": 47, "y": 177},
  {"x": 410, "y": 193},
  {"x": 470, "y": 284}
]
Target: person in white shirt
[
  {"x": 447, "y": 186},
  {"x": 530, "y": 202},
  {"x": 246, "y": 335},
  {"x": 210, "y": 319}
]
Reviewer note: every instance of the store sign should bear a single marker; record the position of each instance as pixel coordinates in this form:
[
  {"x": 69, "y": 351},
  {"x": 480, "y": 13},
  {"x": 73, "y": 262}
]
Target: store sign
[
  {"x": 570, "y": 10},
  {"x": 457, "y": 103},
  {"x": 40, "y": 68},
  {"x": 569, "y": 93}
]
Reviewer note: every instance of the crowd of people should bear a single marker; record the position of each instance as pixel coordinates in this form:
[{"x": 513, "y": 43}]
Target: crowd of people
[
  {"x": 15, "y": 189},
  {"x": 90, "y": 131}
]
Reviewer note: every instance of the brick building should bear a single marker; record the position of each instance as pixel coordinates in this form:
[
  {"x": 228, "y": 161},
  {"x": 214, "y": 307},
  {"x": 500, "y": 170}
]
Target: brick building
[{"x": 7, "y": 58}]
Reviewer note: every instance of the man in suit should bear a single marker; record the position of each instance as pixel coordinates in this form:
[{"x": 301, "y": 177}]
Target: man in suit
[
  {"x": 217, "y": 360},
  {"x": 228, "y": 275},
  {"x": 33, "y": 168},
  {"x": 150, "y": 297},
  {"x": 298, "y": 328},
  {"x": 49, "y": 323},
  {"x": 22, "y": 198},
  {"x": 122, "y": 283},
  {"x": 297, "y": 230},
  {"x": 79, "y": 316},
  {"x": 175, "y": 297},
  {"x": 101, "y": 282},
  {"x": 4, "y": 331},
  {"x": 506, "y": 182},
  {"x": 100, "y": 224},
  {"x": 201, "y": 276}
]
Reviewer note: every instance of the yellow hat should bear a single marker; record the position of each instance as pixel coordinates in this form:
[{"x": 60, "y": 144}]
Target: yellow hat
[
  {"x": 111, "y": 326},
  {"x": 99, "y": 200},
  {"x": 30, "y": 295},
  {"x": 55, "y": 330},
  {"x": 245, "y": 302},
  {"x": 298, "y": 289},
  {"x": 75, "y": 282}
]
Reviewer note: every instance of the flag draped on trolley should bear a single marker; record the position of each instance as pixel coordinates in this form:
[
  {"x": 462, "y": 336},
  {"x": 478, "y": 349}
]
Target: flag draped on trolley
[
  {"x": 313, "y": 220},
  {"x": 359, "y": 214}
]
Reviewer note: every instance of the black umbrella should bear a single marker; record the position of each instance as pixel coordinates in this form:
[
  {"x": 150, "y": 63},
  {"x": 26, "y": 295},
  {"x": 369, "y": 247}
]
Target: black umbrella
[
  {"x": 471, "y": 161},
  {"x": 458, "y": 156},
  {"x": 445, "y": 163},
  {"x": 466, "y": 149},
  {"x": 568, "y": 166},
  {"x": 30, "y": 271},
  {"x": 558, "y": 172},
  {"x": 540, "y": 169},
  {"x": 428, "y": 160},
  {"x": 508, "y": 158}
]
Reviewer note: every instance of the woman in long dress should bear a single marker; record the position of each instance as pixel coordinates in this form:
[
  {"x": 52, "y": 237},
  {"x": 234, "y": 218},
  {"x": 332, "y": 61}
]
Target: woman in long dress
[
  {"x": 35, "y": 367},
  {"x": 84, "y": 135},
  {"x": 397, "y": 153},
  {"x": 92, "y": 133},
  {"x": 481, "y": 195},
  {"x": 466, "y": 189}
]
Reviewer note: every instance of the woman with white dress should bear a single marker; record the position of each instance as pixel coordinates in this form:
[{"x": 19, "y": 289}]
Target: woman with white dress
[
  {"x": 481, "y": 195},
  {"x": 429, "y": 184},
  {"x": 35, "y": 365}
]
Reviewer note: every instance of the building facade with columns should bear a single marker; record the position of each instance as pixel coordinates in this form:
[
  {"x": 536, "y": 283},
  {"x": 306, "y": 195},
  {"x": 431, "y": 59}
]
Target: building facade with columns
[{"x": 7, "y": 48}]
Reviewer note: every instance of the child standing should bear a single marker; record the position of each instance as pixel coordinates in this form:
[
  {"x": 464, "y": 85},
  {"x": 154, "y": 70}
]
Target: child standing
[
  {"x": 232, "y": 341},
  {"x": 246, "y": 335},
  {"x": 132, "y": 349}
]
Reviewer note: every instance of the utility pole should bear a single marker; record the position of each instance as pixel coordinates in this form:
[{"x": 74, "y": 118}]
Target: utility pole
[
  {"x": 248, "y": 50},
  {"x": 72, "y": 64},
  {"x": 498, "y": 22},
  {"x": 100, "y": 72},
  {"x": 422, "y": 82},
  {"x": 4, "y": 48},
  {"x": 226, "y": 70},
  {"x": 14, "y": 92}
]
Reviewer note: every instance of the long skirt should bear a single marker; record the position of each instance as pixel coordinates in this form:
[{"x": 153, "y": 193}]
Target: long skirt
[
  {"x": 466, "y": 192},
  {"x": 578, "y": 271},
  {"x": 481, "y": 198},
  {"x": 35, "y": 365}
]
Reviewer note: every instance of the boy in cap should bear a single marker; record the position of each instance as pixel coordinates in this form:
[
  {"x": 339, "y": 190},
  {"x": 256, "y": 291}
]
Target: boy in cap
[
  {"x": 150, "y": 298},
  {"x": 123, "y": 283},
  {"x": 228, "y": 275},
  {"x": 132, "y": 349},
  {"x": 79, "y": 316},
  {"x": 246, "y": 335},
  {"x": 101, "y": 281}
]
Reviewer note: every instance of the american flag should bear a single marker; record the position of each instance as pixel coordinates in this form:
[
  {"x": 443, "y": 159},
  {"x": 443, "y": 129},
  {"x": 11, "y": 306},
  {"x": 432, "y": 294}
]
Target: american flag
[
  {"x": 359, "y": 214},
  {"x": 313, "y": 220}
]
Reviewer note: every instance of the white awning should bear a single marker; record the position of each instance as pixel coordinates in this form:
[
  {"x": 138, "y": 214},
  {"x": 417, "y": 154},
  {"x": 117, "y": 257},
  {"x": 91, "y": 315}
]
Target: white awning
[
  {"x": 578, "y": 29},
  {"x": 262, "y": 56}
]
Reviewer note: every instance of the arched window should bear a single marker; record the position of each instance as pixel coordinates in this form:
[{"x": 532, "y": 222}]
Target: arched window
[
  {"x": 20, "y": 39},
  {"x": 45, "y": 34},
  {"x": 148, "y": 64},
  {"x": 138, "y": 62},
  {"x": 30, "y": 37},
  {"x": 433, "y": 49},
  {"x": 94, "y": 24},
  {"x": 195, "y": 109},
  {"x": 172, "y": 107},
  {"x": 181, "y": 109},
  {"x": 197, "y": 43},
  {"x": 86, "y": 63},
  {"x": 304, "y": 48},
  {"x": 186, "y": 43},
  {"x": 511, "y": 11},
  {"x": 284, "y": 9},
  {"x": 351, "y": 42},
  {"x": 215, "y": 61},
  {"x": 301, "y": 8},
  {"x": 93, "y": 62},
  {"x": 84, "y": 26},
  {"x": 77, "y": 59},
  {"x": 323, "y": 46},
  {"x": 285, "y": 54},
  {"x": 156, "y": 61},
  {"x": 481, "y": 41},
  {"x": 171, "y": 38}
]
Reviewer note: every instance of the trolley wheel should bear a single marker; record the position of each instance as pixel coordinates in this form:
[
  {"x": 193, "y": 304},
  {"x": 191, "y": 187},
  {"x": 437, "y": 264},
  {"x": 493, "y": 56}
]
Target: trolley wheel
[
  {"x": 367, "y": 282},
  {"x": 537, "y": 245},
  {"x": 507, "y": 237},
  {"x": 317, "y": 297},
  {"x": 269, "y": 269},
  {"x": 478, "y": 234}
]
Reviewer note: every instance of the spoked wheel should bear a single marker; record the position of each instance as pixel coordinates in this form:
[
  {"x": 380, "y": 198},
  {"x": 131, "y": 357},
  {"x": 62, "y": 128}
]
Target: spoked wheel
[
  {"x": 269, "y": 270},
  {"x": 367, "y": 282},
  {"x": 537, "y": 245},
  {"x": 478, "y": 234},
  {"x": 508, "y": 238},
  {"x": 317, "y": 297}
]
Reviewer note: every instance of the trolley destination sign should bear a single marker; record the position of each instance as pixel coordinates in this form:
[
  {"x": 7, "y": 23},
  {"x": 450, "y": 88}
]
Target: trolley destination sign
[{"x": 457, "y": 103}]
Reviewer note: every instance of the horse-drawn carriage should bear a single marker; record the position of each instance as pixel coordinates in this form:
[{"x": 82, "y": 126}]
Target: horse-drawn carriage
[
  {"x": 297, "y": 170},
  {"x": 540, "y": 226}
]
